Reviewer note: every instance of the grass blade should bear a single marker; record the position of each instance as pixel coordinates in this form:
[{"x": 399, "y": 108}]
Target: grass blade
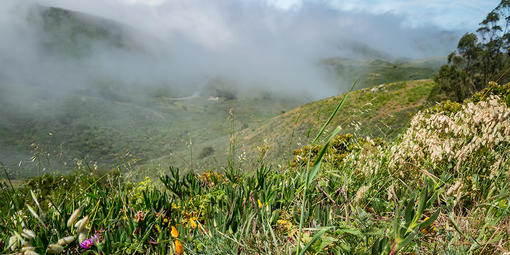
[
  {"x": 314, "y": 239},
  {"x": 318, "y": 161}
]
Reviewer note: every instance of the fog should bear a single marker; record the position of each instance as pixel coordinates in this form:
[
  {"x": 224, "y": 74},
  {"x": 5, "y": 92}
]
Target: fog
[
  {"x": 183, "y": 43},
  {"x": 85, "y": 77}
]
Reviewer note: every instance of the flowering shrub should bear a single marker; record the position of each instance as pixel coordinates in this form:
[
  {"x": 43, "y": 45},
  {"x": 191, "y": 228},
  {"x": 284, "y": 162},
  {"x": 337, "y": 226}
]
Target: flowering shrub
[{"x": 438, "y": 138}]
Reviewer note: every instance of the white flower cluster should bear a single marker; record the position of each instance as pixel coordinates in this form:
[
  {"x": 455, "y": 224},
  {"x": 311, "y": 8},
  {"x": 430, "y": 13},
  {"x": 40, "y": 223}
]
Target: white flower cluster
[{"x": 438, "y": 137}]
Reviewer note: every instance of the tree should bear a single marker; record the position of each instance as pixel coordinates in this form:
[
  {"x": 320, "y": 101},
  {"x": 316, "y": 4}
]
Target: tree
[{"x": 481, "y": 57}]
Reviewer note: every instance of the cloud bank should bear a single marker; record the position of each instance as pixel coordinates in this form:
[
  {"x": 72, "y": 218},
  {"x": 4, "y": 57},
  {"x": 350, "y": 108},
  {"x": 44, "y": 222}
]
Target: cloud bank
[{"x": 275, "y": 45}]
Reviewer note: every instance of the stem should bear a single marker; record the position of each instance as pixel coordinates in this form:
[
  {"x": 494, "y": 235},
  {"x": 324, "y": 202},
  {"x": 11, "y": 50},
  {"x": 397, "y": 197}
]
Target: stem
[{"x": 304, "y": 198}]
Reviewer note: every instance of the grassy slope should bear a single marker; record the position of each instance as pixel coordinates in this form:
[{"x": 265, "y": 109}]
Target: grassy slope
[
  {"x": 441, "y": 188},
  {"x": 380, "y": 111},
  {"x": 378, "y": 71}
]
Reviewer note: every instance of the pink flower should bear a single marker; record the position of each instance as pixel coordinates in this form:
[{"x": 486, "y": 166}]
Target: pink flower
[{"x": 91, "y": 241}]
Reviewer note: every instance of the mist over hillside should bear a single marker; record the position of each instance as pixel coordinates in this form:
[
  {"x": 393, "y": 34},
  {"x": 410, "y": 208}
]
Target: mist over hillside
[
  {"x": 108, "y": 70},
  {"x": 184, "y": 44}
]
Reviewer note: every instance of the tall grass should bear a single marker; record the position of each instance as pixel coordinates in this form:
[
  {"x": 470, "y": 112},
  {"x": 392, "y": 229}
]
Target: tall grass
[{"x": 311, "y": 173}]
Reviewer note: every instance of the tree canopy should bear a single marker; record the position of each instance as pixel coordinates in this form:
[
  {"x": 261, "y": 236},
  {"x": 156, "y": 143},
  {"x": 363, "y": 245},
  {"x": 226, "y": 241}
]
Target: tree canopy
[{"x": 480, "y": 57}]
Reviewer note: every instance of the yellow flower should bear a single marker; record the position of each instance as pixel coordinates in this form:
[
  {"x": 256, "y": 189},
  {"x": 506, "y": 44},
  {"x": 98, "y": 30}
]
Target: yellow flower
[
  {"x": 429, "y": 229},
  {"x": 192, "y": 222},
  {"x": 178, "y": 247},
  {"x": 260, "y": 204},
  {"x": 174, "y": 232}
]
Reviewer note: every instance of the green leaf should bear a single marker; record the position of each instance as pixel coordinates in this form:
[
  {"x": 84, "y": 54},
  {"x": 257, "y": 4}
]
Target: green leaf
[
  {"x": 318, "y": 161},
  {"x": 314, "y": 239},
  {"x": 409, "y": 213},
  {"x": 423, "y": 200},
  {"x": 352, "y": 231},
  {"x": 406, "y": 240},
  {"x": 32, "y": 211},
  {"x": 396, "y": 227},
  {"x": 334, "y": 113},
  {"x": 430, "y": 220}
]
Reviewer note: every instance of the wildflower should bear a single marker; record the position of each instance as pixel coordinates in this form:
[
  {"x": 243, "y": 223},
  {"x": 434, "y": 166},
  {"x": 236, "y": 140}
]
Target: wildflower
[
  {"x": 284, "y": 225},
  {"x": 73, "y": 217},
  {"x": 259, "y": 203},
  {"x": 178, "y": 247},
  {"x": 428, "y": 229},
  {"x": 192, "y": 222},
  {"x": 55, "y": 249},
  {"x": 139, "y": 216},
  {"x": 87, "y": 243},
  {"x": 174, "y": 232}
]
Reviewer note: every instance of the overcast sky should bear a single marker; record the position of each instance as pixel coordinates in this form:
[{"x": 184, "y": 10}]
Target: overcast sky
[
  {"x": 277, "y": 43},
  {"x": 449, "y": 14}
]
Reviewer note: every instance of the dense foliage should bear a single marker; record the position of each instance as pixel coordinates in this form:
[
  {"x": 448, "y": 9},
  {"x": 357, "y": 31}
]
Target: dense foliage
[{"x": 480, "y": 57}]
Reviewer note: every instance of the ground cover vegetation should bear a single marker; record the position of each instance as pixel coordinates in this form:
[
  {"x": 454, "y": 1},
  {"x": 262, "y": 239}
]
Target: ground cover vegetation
[
  {"x": 437, "y": 184},
  {"x": 441, "y": 187}
]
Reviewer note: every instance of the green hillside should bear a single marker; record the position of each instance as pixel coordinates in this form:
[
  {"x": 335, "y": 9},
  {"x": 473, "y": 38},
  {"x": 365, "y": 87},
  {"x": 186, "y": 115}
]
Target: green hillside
[
  {"x": 440, "y": 188},
  {"x": 381, "y": 111}
]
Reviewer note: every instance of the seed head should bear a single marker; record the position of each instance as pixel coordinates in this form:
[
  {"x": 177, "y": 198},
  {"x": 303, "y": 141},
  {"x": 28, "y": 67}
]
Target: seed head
[
  {"x": 28, "y": 234},
  {"x": 66, "y": 240},
  {"x": 81, "y": 224},
  {"x": 73, "y": 217},
  {"x": 55, "y": 249}
]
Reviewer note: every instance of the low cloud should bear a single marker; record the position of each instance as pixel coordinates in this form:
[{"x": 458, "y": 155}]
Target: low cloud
[{"x": 183, "y": 43}]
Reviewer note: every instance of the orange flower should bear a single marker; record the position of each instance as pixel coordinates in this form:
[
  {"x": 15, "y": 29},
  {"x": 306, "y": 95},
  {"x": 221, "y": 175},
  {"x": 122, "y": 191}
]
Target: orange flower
[
  {"x": 178, "y": 247},
  {"x": 174, "y": 232}
]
